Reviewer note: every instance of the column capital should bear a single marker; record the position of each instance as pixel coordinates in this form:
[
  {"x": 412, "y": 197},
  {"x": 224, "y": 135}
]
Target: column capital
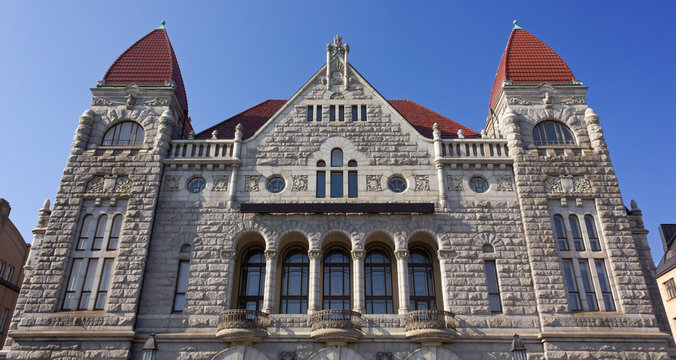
[
  {"x": 401, "y": 254},
  {"x": 314, "y": 254},
  {"x": 271, "y": 254},
  {"x": 358, "y": 254}
]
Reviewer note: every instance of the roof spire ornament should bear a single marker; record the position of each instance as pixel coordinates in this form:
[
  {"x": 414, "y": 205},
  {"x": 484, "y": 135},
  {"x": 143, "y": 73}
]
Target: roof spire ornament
[
  {"x": 161, "y": 27},
  {"x": 516, "y": 27}
]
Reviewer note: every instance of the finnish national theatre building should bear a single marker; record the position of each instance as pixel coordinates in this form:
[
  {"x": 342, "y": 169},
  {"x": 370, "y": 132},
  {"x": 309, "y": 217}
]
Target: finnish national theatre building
[{"x": 339, "y": 225}]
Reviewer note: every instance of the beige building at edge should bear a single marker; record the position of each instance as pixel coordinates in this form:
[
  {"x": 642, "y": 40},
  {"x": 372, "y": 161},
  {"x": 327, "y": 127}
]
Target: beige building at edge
[
  {"x": 340, "y": 225},
  {"x": 666, "y": 272}
]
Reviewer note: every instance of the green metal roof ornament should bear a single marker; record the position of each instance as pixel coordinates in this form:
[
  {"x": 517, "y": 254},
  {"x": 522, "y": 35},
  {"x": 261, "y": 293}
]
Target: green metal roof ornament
[
  {"x": 516, "y": 27},
  {"x": 161, "y": 27}
]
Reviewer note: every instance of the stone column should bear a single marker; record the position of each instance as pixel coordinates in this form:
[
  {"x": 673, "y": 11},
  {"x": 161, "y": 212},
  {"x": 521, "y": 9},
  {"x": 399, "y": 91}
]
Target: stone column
[
  {"x": 314, "y": 281},
  {"x": 438, "y": 155},
  {"x": 270, "y": 272},
  {"x": 594, "y": 130},
  {"x": 511, "y": 129},
  {"x": 402, "y": 277},
  {"x": 83, "y": 131},
  {"x": 444, "y": 258},
  {"x": 229, "y": 257},
  {"x": 233, "y": 184},
  {"x": 163, "y": 136},
  {"x": 358, "y": 280}
]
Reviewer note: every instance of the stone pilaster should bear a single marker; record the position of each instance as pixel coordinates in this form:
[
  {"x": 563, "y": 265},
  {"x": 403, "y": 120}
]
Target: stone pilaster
[
  {"x": 358, "y": 280},
  {"x": 270, "y": 273},
  {"x": 314, "y": 281},
  {"x": 402, "y": 278}
]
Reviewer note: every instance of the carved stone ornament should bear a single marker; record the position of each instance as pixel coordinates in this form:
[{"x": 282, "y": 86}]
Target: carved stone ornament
[
  {"x": 337, "y": 96},
  {"x": 373, "y": 182},
  {"x": 422, "y": 182},
  {"x": 270, "y": 254},
  {"x": 299, "y": 183},
  {"x": 130, "y": 101},
  {"x": 505, "y": 183},
  {"x": 170, "y": 183},
  {"x": 122, "y": 184},
  {"x": 314, "y": 254},
  {"x": 95, "y": 185},
  {"x": 454, "y": 182},
  {"x": 567, "y": 184},
  {"x": 358, "y": 254},
  {"x": 101, "y": 101},
  {"x": 108, "y": 184},
  {"x": 401, "y": 254},
  {"x": 547, "y": 101},
  {"x": 158, "y": 102},
  {"x": 220, "y": 183},
  {"x": 251, "y": 183}
]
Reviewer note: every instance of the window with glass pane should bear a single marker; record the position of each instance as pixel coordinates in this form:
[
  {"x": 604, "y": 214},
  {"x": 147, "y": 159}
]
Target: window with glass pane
[
  {"x": 576, "y": 232},
  {"x": 321, "y": 184},
  {"x": 421, "y": 281},
  {"x": 336, "y": 157},
  {"x": 126, "y": 133},
  {"x": 670, "y": 286},
  {"x": 86, "y": 230},
  {"x": 571, "y": 284},
  {"x": 363, "y": 113},
  {"x": 252, "y": 280},
  {"x": 336, "y": 184},
  {"x": 591, "y": 233},
  {"x": 309, "y": 113},
  {"x": 378, "y": 275},
  {"x": 319, "y": 113},
  {"x": 295, "y": 275},
  {"x": 101, "y": 295},
  {"x": 10, "y": 273},
  {"x": 3, "y": 320},
  {"x": 100, "y": 232},
  {"x": 560, "y": 230},
  {"x": 588, "y": 285},
  {"x": 115, "y": 233},
  {"x": 602, "y": 274},
  {"x": 354, "y": 113},
  {"x": 493, "y": 288},
  {"x": 352, "y": 184},
  {"x": 181, "y": 285},
  {"x": 2, "y": 269},
  {"x": 76, "y": 273},
  {"x": 332, "y": 113},
  {"x": 341, "y": 113},
  {"x": 88, "y": 284},
  {"x": 336, "y": 294},
  {"x": 552, "y": 133}
]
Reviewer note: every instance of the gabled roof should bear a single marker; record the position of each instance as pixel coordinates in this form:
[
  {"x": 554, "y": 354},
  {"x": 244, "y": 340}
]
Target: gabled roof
[
  {"x": 420, "y": 117},
  {"x": 528, "y": 60},
  {"x": 149, "y": 61}
]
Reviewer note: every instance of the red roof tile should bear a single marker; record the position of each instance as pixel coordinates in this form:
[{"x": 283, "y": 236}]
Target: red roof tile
[
  {"x": 419, "y": 116},
  {"x": 528, "y": 60},
  {"x": 150, "y": 61}
]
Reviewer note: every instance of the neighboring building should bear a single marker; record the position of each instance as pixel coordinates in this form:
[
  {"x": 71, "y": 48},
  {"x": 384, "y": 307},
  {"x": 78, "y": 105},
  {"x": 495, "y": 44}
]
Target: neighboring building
[
  {"x": 338, "y": 224},
  {"x": 666, "y": 273},
  {"x": 13, "y": 255}
]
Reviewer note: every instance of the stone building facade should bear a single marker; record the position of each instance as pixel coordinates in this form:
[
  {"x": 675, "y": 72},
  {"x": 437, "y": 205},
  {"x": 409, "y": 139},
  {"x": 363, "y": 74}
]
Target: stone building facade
[{"x": 338, "y": 224}]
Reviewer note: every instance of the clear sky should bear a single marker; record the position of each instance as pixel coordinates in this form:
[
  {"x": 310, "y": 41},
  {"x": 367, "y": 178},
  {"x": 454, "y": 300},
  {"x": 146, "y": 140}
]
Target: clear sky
[{"x": 234, "y": 55}]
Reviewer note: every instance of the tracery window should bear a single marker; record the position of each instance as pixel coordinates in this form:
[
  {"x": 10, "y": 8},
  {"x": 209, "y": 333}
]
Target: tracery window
[
  {"x": 127, "y": 133},
  {"x": 378, "y": 274},
  {"x": 336, "y": 294},
  {"x": 252, "y": 280},
  {"x": 421, "y": 281},
  {"x": 552, "y": 133},
  {"x": 295, "y": 275}
]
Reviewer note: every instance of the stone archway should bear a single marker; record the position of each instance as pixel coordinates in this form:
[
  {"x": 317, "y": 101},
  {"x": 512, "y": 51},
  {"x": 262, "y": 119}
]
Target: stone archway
[
  {"x": 336, "y": 353},
  {"x": 433, "y": 353},
  {"x": 240, "y": 353}
]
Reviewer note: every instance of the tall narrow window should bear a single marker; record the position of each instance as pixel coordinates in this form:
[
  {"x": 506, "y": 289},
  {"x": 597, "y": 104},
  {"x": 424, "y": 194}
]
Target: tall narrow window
[
  {"x": 102, "y": 293},
  {"x": 2, "y": 269},
  {"x": 321, "y": 184},
  {"x": 571, "y": 284},
  {"x": 493, "y": 288},
  {"x": 181, "y": 285},
  {"x": 76, "y": 273},
  {"x": 319, "y": 113},
  {"x": 336, "y": 280},
  {"x": 378, "y": 274},
  {"x": 10, "y": 273},
  {"x": 591, "y": 233},
  {"x": 560, "y": 230},
  {"x": 332, "y": 113},
  {"x": 3, "y": 320},
  {"x": 363, "y": 113},
  {"x": 310, "y": 113},
  {"x": 88, "y": 284},
  {"x": 355, "y": 110},
  {"x": 336, "y": 158},
  {"x": 421, "y": 281},
  {"x": 341, "y": 113},
  {"x": 252, "y": 280},
  {"x": 577, "y": 234},
  {"x": 336, "y": 184},
  {"x": 352, "y": 184},
  {"x": 295, "y": 275},
  {"x": 115, "y": 232},
  {"x": 589, "y": 293},
  {"x": 100, "y": 232},
  {"x": 605, "y": 285},
  {"x": 85, "y": 232},
  {"x": 670, "y": 286}
]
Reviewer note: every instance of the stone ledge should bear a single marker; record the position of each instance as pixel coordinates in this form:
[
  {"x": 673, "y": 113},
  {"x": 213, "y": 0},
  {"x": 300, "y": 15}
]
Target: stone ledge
[{"x": 70, "y": 334}]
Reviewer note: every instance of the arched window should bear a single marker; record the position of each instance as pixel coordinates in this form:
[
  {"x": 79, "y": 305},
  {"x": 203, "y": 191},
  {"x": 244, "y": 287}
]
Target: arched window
[
  {"x": 252, "y": 280},
  {"x": 295, "y": 275},
  {"x": 337, "y": 280},
  {"x": 575, "y": 231},
  {"x": 421, "y": 281},
  {"x": 591, "y": 233},
  {"x": 336, "y": 157},
  {"x": 560, "y": 231},
  {"x": 115, "y": 233},
  {"x": 378, "y": 274},
  {"x": 85, "y": 232},
  {"x": 128, "y": 133},
  {"x": 552, "y": 133},
  {"x": 100, "y": 232}
]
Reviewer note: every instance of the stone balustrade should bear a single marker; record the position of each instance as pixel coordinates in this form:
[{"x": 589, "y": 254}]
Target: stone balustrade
[
  {"x": 430, "y": 327},
  {"x": 242, "y": 326},
  {"x": 336, "y": 327},
  {"x": 475, "y": 150},
  {"x": 202, "y": 151}
]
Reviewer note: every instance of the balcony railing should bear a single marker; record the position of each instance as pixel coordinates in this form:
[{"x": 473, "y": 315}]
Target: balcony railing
[
  {"x": 336, "y": 327},
  {"x": 201, "y": 150},
  {"x": 242, "y": 326},
  {"x": 430, "y": 326},
  {"x": 474, "y": 149}
]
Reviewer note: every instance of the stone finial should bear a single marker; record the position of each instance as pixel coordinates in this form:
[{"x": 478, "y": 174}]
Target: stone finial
[
  {"x": 484, "y": 134},
  {"x": 516, "y": 27},
  {"x": 461, "y": 134},
  {"x": 634, "y": 205},
  {"x": 238, "y": 131},
  {"x": 214, "y": 134},
  {"x": 191, "y": 135},
  {"x": 337, "y": 40},
  {"x": 436, "y": 132},
  {"x": 591, "y": 114},
  {"x": 89, "y": 114},
  {"x": 161, "y": 27},
  {"x": 46, "y": 205}
]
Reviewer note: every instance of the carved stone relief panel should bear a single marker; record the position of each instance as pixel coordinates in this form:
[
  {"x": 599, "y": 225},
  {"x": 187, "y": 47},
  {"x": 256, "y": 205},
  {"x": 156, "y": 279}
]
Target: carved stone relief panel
[
  {"x": 422, "y": 182},
  {"x": 108, "y": 184},
  {"x": 220, "y": 183},
  {"x": 454, "y": 182},
  {"x": 299, "y": 183},
  {"x": 170, "y": 183},
  {"x": 251, "y": 183},
  {"x": 504, "y": 183},
  {"x": 373, "y": 182},
  {"x": 567, "y": 184}
]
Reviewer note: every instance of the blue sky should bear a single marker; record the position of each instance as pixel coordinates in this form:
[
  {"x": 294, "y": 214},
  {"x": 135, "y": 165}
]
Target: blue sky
[{"x": 233, "y": 55}]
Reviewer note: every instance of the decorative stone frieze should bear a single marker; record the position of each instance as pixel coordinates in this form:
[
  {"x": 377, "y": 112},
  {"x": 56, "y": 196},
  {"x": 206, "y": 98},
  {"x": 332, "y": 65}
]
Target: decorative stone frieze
[
  {"x": 337, "y": 96},
  {"x": 567, "y": 184},
  {"x": 373, "y": 182},
  {"x": 454, "y": 182},
  {"x": 220, "y": 183},
  {"x": 422, "y": 182},
  {"x": 505, "y": 183},
  {"x": 108, "y": 184},
  {"x": 251, "y": 183},
  {"x": 170, "y": 183},
  {"x": 101, "y": 101},
  {"x": 576, "y": 100},
  {"x": 158, "y": 102},
  {"x": 299, "y": 183}
]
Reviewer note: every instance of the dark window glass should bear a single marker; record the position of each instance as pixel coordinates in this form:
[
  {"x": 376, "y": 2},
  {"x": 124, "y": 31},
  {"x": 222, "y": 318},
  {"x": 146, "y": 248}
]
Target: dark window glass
[
  {"x": 576, "y": 232},
  {"x": 378, "y": 274},
  {"x": 196, "y": 185},
  {"x": 397, "y": 184},
  {"x": 670, "y": 285},
  {"x": 352, "y": 163},
  {"x": 560, "y": 231},
  {"x": 115, "y": 232},
  {"x": 363, "y": 113},
  {"x": 336, "y": 280},
  {"x": 352, "y": 184},
  {"x": 605, "y": 286},
  {"x": 478, "y": 185},
  {"x": 341, "y": 113},
  {"x": 493, "y": 288},
  {"x": 295, "y": 274},
  {"x": 319, "y": 113},
  {"x": 181, "y": 285},
  {"x": 275, "y": 184},
  {"x": 126, "y": 133},
  {"x": 321, "y": 163},
  {"x": 88, "y": 284},
  {"x": 76, "y": 272},
  {"x": 85, "y": 232},
  {"x": 252, "y": 280},
  {"x": 103, "y": 284},
  {"x": 354, "y": 113},
  {"x": 309, "y": 113},
  {"x": 100, "y": 232},
  {"x": 332, "y": 113},
  {"x": 552, "y": 133},
  {"x": 591, "y": 232},
  {"x": 590, "y": 295},
  {"x": 336, "y": 184},
  {"x": 421, "y": 281},
  {"x": 337, "y": 157},
  {"x": 573, "y": 294},
  {"x": 321, "y": 184}
]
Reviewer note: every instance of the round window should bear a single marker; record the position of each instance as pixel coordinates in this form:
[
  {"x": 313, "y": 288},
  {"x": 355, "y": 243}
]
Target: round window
[
  {"x": 478, "y": 184},
  {"x": 397, "y": 184},
  {"x": 196, "y": 184},
  {"x": 276, "y": 184}
]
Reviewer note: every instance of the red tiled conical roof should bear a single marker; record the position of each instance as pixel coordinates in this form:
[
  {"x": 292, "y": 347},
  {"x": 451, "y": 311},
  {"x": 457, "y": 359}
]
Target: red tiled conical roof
[
  {"x": 150, "y": 61},
  {"x": 420, "y": 117},
  {"x": 528, "y": 60}
]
